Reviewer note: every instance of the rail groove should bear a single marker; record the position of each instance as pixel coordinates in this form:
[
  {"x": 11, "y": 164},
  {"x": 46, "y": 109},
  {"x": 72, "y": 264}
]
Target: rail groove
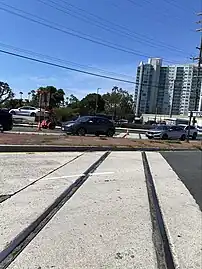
[
  {"x": 160, "y": 239},
  {"x": 4, "y": 197},
  {"x": 8, "y": 255}
]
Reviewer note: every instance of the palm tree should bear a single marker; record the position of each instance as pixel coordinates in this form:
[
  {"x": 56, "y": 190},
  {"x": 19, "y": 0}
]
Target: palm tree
[
  {"x": 21, "y": 94},
  {"x": 33, "y": 92},
  {"x": 29, "y": 93}
]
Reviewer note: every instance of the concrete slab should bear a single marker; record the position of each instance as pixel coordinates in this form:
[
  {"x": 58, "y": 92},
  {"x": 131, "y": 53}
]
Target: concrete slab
[
  {"x": 182, "y": 216},
  {"x": 143, "y": 136},
  {"x": 19, "y": 169},
  {"x": 133, "y": 136},
  {"x": 106, "y": 224},
  {"x": 120, "y": 135},
  {"x": 22, "y": 209}
]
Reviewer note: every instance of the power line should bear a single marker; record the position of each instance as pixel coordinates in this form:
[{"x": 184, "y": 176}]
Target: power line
[
  {"x": 66, "y": 67},
  {"x": 134, "y": 35},
  {"x": 158, "y": 10},
  {"x": 74, "y": 33},
  {"x": 174, "y": 4},
  {"x": 75, "y": 69},
  {"x": 61, "y": 61},
  {"x": 121, "y": 29}
]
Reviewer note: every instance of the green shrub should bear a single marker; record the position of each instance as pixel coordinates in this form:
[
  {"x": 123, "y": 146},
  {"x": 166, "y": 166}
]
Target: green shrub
[{"x": 65, "y": 114}]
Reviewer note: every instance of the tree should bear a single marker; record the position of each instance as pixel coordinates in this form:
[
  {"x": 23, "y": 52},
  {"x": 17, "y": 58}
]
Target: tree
[
  {"x": 29, "y": 93},
  {"x": 5, "y": 92},
  {"x": 59, "y": 97},
  {"x": 12, "y": 103},
  {"x": 21, "y": 94},
  {"x": 72, "y": 101},
  {"x": 56, "y": 96},
  {"x": 88, "y": 103},
  {"x": 118, "y": 103},
  {"x": 34, "y": 101}
]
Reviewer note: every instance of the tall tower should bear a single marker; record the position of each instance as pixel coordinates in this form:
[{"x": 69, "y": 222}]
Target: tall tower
[{"x": 146, "y": 90}]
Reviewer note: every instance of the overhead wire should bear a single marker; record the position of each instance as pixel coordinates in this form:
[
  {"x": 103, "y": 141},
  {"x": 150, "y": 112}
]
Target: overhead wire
[
  {"x": 124, "y": 29},
  {"x": 74, "y": 69},
  {"x": 158, "y": 10},
  {"x": 110, "y": 26},
  {"x": 74, "y": 33},
  {"x": 65, "y": 67},
  {"x": 174, "y": 4},
  {"x": 44, "y": 56}
]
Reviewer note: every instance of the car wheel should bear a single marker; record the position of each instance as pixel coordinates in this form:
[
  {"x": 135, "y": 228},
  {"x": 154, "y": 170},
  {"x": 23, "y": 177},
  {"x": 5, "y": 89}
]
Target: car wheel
[
  {"x": 33, "y": 114},
  {"x": 194, "y": 136},
  {"x": 51, "y": 126},
  {"x": 81, "y": 132},
  {"x": 110, "y": 133},
  {"x": 13, "y": 112},
  {"x": 7, "y": 127},
  {"x": 183, "y": 137},
  {"x": 165, "y": 137},
  {"x": 97, "y": 134}
]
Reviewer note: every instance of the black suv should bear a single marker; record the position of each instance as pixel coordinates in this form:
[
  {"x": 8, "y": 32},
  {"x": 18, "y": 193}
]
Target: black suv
[
  {"x": 6, "y": 120},
  {"x": 89, "y": 125}
]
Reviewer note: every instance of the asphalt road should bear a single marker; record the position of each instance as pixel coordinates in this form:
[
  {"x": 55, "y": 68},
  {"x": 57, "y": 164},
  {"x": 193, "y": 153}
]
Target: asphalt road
[
  {"x": 133, "y": 134},
  {"x": 188, "y": 166}
]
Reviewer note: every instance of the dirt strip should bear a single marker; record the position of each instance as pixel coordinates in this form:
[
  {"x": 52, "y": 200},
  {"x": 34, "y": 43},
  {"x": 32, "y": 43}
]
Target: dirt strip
[{"x": 34, "y": 139}]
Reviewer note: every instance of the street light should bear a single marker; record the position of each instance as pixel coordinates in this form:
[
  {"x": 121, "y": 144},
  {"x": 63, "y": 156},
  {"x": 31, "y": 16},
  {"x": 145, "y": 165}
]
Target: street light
[
  {"x": 115, "y": 88},
  {"x": 96, "y": 101}
]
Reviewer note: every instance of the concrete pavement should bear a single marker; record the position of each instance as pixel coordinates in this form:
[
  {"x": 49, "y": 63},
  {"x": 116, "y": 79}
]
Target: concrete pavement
[
  {"x": 106, "y": 223},
  {"x": 27, "y": 204},
  {"x": 181, "y": 214}
]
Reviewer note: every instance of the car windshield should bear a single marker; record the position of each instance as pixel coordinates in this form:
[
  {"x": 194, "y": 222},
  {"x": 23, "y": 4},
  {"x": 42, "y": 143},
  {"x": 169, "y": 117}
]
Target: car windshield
[
  {"x": 83, "y": 119},
  {"x": 160, "y": 127}
]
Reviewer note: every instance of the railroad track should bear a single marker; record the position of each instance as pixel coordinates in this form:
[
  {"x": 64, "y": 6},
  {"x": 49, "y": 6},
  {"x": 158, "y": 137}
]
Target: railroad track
[
  {"x": 162, "y": 247},
  {"x": 4, "y": 197},
  {"x": 164, "y": 255},
  {"x": 23, "y": 239}
]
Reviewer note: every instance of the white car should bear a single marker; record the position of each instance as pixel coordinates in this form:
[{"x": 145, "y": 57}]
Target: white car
[
  {"x": 25, "y": 111},
  {"x": 193, "y": 130}
]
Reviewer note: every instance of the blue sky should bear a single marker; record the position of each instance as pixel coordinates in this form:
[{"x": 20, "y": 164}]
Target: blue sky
[{"x": 166, "y": 22}]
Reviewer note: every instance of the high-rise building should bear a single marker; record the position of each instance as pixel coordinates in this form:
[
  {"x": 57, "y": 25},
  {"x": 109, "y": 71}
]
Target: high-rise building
[
  {"x": 147, "y": 82},
  {"x": 167, "y": 89}
]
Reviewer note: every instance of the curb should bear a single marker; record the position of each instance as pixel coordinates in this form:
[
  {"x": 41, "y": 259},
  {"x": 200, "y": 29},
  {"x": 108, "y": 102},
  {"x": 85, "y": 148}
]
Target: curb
[
  {"x": 30, "y": 125},
  {"x": 53, "y": 148},
  {"x": 35, "y": 133}
]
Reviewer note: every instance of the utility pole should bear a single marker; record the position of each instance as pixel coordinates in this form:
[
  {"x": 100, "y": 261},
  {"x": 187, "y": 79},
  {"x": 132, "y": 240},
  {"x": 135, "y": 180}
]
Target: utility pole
[
  {"x": 115, "y": 88},
  {"x": 96, "y": 101},
  {"x": 198, "y": 84}
]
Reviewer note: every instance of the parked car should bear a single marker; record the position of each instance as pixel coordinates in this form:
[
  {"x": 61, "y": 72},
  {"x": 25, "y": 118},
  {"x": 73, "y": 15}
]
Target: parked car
[
  {"x": 150, "y": 122},
  {"x": 167, "y": 132},
  {"x": 193, "y": 130},
  {"x": 25, "y": 111},
  {"x": 6, "y": 120},
  {"x": 89, "y": 125}
]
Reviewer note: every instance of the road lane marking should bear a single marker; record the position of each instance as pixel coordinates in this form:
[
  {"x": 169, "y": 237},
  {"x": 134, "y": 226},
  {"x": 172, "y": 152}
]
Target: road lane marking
[{"x": 76, "y": 175}]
